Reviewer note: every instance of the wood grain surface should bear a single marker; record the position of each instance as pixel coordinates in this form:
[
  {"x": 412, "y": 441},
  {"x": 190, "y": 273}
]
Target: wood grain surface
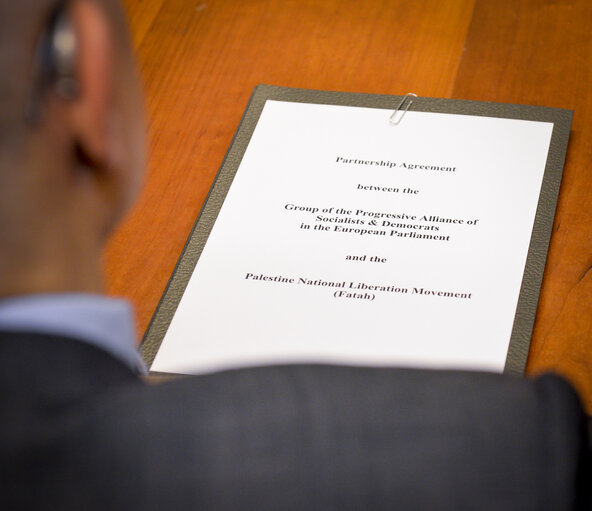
[{"x": 199, "y": 61}]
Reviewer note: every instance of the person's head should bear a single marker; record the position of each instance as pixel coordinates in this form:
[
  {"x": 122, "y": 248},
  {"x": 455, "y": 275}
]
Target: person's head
[{"x": 71, "y": 140}]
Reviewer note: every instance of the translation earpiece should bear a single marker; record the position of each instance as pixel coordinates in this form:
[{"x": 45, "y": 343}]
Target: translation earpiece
[
  {"x": 54, "y": 65},
  {"x": 63, "y": 56}
]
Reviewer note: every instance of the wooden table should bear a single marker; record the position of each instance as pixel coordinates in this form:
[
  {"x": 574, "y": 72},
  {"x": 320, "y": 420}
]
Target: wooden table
[{"x": 200, "y": 60}]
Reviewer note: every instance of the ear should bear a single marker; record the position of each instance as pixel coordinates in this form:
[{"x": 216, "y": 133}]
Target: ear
[{"x": 94, "y": 72}]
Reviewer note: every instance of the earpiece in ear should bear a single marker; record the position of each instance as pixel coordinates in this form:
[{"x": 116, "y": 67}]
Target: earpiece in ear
[
  {"x": 54, "y": 64},
  {"x": 63, "y": 57}
]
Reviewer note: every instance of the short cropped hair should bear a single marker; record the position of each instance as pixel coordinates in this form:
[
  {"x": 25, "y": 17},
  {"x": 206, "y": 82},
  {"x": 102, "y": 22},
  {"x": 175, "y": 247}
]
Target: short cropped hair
[{"x": 21, "y": 24}]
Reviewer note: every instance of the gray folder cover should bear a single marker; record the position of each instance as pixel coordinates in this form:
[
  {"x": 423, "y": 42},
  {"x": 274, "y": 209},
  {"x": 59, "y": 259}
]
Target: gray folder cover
[{"x": 541, "y": 233}]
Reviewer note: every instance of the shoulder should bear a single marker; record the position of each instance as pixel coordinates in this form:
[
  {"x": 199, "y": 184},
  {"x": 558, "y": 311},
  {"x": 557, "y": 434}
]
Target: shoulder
[{"x": 55, "y": 367}]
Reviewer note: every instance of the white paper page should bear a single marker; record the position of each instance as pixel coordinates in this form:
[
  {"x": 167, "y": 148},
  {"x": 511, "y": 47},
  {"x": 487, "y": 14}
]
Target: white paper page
[{"x": 346, "y": 240}]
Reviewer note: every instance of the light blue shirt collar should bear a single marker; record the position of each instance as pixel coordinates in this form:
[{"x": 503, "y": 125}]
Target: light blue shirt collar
[{"x": 106, "y": 323}]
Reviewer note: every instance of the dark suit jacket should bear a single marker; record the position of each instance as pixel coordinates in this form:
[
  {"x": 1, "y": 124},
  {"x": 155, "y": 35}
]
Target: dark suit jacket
[{"x": 80, "y": 431}]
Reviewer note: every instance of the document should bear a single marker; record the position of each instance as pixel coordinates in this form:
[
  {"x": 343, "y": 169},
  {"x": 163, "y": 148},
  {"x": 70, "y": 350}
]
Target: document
[{"x": 344, "y": 239}]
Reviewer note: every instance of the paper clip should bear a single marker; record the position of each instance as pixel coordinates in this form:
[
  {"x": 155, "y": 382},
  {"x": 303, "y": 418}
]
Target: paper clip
[{"x": 407, "y": 96}]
